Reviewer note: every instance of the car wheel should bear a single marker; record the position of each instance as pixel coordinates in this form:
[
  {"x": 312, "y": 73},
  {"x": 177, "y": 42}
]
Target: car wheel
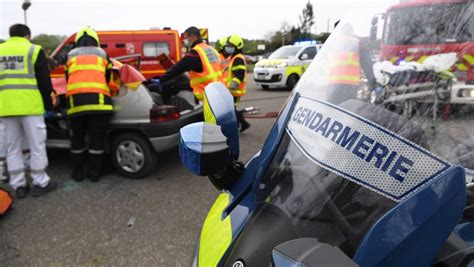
[
  {"x": 133, "y": 156},
  {"x": 265, "y": 86},
  {"x": 292, "y": 81}
]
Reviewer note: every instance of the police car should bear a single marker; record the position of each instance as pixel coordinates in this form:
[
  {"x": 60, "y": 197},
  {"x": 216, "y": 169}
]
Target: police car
[{"x": 286, "y": 65}]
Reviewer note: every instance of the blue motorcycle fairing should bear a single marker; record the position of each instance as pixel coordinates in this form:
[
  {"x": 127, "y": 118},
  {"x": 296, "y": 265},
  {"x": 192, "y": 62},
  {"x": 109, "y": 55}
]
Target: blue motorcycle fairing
[
  {"x": 256, "y": 168},
  {"x": 417, "y": 226},
  {"x": 466, "y": 232},
  {"x": 452, "y": 180}
]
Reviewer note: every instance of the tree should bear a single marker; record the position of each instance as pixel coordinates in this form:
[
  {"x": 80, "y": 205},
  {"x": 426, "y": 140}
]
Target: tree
[
  {"x": 288, "y": 34},
  {"x": 322, "y": 37},
  {"x": 296, "y": 34},
  {"x": 251, "y": 46},
  {"x": 48, "y": 42},
  {"x": 306, "y": 20}
]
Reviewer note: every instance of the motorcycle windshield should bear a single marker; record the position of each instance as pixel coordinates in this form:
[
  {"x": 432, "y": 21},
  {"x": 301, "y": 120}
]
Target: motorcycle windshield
[{"x": 365, "y": 133}]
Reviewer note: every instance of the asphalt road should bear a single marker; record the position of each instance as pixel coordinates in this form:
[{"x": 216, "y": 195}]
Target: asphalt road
[{"x": 85, "y": 224}]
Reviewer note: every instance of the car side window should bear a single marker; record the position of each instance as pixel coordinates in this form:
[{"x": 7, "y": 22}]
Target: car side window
[
  {"x": 310, "y": 51},
  {"x": 155, "y": 49},
  {"x": 61, "y": 56}
]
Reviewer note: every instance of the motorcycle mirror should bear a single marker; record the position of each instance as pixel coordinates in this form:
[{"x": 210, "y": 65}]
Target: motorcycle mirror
[
  {"x": 373, "y": 29},
  {"x": 219, "y": 109},
  {"x": 203, "y": 148}
]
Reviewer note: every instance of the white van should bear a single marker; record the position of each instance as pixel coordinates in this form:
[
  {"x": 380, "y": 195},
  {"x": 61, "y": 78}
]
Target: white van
[{"x": 285, "y": 66}]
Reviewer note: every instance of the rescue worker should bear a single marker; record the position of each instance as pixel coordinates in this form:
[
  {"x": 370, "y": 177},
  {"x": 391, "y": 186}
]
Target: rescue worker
[
  {"x": 202, "y": 63},
  {"x": 88, "y": 72},
  {"x": 347, "y": 65},
  {"x": 234, "y": 75},
  {"x": 223, "y": 56},
  {"x": 25, "y": 89}
]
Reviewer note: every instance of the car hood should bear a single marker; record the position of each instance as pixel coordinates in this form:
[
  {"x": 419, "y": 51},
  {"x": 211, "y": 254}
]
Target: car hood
[{"x": 271, "y": 63}]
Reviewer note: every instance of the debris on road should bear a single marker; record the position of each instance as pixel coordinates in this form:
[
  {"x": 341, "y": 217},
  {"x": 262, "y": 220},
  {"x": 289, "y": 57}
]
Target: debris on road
[{"x": 131, "y": 222}]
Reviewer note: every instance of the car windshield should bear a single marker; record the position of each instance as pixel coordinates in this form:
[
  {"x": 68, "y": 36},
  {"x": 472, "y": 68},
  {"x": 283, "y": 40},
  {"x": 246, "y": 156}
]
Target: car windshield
[
  {"x": 430, "y": 24},
  {"x": 285, "y": 52},
  {"x": 365, "y": 134}
]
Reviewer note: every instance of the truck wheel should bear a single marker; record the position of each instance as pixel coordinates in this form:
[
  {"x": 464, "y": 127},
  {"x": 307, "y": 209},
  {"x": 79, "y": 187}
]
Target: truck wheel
[
  {"x": 265, "y": 86},
  {"x": 292, "y": 81},
  {"x": 133, "y": 156}
]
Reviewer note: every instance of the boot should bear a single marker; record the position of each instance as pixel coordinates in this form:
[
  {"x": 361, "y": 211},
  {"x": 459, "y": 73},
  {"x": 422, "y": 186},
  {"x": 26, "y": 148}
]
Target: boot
[
  {"x": 22, "y": 191},
  {"x": 94, "y": 167},
  {"x": 39, "y": 191},
  {"x": 78, "y": 161},
  {"x": 244, "y": 125}
]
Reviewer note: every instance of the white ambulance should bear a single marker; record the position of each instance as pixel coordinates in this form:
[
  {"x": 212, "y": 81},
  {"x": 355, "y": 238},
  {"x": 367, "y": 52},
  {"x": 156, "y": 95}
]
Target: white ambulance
[{"x": 286, "y": 65}]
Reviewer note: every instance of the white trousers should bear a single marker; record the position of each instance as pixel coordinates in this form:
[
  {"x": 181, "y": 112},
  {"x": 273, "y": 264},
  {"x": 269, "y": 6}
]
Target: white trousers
[
  {"x": 3, "y": 152},
  {"x": 34, "y": 129}
]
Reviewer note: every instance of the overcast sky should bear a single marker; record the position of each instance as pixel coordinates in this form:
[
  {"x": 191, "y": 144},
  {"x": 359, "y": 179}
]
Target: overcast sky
[{"x": 250, "y": 18}]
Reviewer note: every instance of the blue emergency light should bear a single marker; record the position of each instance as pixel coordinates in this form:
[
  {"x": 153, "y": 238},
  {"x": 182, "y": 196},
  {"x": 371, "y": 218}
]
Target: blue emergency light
[{"x": 307, "y": 42}]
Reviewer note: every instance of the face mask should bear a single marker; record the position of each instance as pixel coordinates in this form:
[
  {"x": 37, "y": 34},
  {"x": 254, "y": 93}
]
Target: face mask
[
  {"x": 229, "y": 50},
  {"x": 186, "y": 42}
]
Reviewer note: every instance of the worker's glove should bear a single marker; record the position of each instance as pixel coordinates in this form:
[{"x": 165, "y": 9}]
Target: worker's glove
[
  {"x": 53, "y": 115},
  {"x": 233, "y": 85},
  {"x": 154, "y": 85},
  {"x": 156, "y": 82},
  {"x": 49, "y": 115}
]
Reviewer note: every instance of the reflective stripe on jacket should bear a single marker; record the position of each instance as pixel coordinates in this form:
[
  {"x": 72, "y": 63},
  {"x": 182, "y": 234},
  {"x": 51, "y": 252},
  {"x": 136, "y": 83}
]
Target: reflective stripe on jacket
[
  {"x": 345, "y": 65},
  {"x": 87, "y": 88},
  {"x": 229, "y": 77},
  {"x": 19, "y": 93},
  {"x": 86, "y": 69},
  {"x": 211, "y": 69}
]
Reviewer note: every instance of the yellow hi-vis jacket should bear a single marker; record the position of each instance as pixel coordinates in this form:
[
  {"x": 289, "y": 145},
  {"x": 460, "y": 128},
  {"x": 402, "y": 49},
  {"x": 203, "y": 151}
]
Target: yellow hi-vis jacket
[
  {"x": 211, "y": 69},
  {"x": 19, "y": 93},
  {"x": 229, "y": 77}
]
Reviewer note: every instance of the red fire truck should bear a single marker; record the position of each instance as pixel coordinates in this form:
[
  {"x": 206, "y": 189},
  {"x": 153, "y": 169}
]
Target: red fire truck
[
  {"x": 140, "y": 48},
  {"x": 414, "y": 30}
]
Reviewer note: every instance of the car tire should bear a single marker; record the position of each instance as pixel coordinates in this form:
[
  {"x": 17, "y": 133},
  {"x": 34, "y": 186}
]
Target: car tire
[
  {"x": 265, "y": 86},
  {"x": 292, "y": 81},
  {"x": 133, "y": 156}
]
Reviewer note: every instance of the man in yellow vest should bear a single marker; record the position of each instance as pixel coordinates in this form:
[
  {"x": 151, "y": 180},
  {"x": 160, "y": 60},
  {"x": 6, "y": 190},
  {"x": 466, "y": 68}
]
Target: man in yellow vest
[
  {"x": 235, "y": 73},
  {"x": 25, "y": 95},
  {"x": 202, "y": 63},
  {"x": 90, "y": 107}
]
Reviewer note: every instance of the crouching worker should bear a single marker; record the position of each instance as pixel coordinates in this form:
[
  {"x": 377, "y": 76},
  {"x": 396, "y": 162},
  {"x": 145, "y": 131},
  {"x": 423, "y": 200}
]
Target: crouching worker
[{"x": 90, "y": 108}]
